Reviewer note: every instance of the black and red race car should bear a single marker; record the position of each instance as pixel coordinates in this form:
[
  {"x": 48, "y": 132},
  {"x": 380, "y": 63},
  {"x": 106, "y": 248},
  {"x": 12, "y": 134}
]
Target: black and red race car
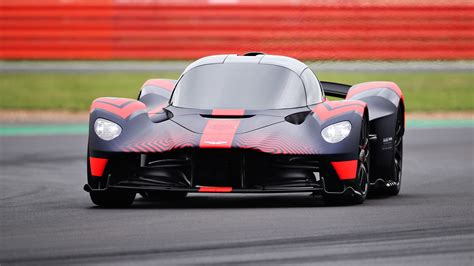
[{"x": 250, "y": 123}]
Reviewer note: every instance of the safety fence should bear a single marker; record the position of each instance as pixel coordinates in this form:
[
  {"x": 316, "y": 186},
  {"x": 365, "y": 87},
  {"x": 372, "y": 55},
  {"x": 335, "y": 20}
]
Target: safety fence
[{"x": 55, "y": 29}]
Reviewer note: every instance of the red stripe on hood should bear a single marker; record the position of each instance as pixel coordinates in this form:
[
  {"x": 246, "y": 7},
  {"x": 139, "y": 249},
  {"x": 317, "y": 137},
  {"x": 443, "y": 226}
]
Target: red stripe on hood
[
  {"x": 228, "y": 112},
  {"x": 219, "y": 133}
]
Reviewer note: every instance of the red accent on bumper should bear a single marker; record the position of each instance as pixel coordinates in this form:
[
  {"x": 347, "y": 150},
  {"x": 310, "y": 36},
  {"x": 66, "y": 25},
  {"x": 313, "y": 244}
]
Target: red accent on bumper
[
  {"x": 97, "y": 165},
  {"x": 346, "y": 169},
  {"x": 215, "y": 189}
]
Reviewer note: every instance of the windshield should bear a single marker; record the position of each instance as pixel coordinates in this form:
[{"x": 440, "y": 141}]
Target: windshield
[{"x": 239, "y": 86}]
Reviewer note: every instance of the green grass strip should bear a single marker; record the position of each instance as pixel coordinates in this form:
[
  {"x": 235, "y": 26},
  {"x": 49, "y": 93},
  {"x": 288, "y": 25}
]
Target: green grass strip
[
  {"x": 46, "y": 129},
  {"x": 81, "y": 129},
  {"x": 458, "y": 123},
  {"x": 424, "y": 91}
]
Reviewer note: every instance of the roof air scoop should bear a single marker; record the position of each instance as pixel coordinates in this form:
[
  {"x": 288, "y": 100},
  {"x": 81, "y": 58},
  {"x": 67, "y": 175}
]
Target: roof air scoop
[{"x": 254, "y": 53}]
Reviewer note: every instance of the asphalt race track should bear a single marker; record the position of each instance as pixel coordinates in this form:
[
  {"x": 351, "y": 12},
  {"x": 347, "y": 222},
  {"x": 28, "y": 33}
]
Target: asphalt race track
[{"x": 46, "y": 217}]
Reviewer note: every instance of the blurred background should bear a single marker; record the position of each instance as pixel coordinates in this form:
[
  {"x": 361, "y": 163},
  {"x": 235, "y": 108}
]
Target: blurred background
[{"x": 58, "y": 55}]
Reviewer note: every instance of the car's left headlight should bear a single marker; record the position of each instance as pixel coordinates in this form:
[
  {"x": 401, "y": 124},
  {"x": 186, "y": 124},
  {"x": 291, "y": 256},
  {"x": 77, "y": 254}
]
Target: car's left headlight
[
  {"x": 336, "y": 132},
  {"x": 106, "y": 130}
]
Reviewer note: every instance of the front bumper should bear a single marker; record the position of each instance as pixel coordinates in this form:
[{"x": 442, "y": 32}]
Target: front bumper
[{"x": 216, "y": 171}]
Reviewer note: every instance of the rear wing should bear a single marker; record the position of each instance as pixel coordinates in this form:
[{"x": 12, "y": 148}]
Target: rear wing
[{"x": 335, "y": 89}]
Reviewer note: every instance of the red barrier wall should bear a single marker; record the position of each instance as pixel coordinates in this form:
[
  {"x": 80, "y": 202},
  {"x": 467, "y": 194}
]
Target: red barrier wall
[{"x": 114, "y": 30}]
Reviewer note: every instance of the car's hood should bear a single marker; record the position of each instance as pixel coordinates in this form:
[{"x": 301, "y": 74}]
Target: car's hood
[
  {"x": 243, "y": 121},
  {"x": 292, "y": 131},
  {"x": 198, "y": 123}
]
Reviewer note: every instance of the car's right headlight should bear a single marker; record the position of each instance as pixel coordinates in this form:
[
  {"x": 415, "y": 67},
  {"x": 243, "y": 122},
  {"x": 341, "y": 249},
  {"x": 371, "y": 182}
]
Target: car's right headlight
[
  {"x": 336, "y": 132},
  {"x": 106, "y": 130}
]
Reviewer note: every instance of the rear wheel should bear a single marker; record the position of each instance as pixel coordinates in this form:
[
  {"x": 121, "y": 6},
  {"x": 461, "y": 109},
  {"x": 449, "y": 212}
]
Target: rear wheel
[
  {"x": 394, "y": 189},
  {"x": 361, "y": 185},
  {"x": 163, "y": 195},
  {"x": 112, "y": 198},
  {"x": 393, "y": 183}
]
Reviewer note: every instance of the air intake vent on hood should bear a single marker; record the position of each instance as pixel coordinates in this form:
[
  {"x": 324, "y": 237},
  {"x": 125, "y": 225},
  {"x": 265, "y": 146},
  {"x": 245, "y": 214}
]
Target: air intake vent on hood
[
  {"x": 297, "y": 118},
  {"x": 226, "y": 116}
]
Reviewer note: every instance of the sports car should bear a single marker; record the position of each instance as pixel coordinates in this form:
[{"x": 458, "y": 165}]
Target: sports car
[{"x": 252, "y": 123}]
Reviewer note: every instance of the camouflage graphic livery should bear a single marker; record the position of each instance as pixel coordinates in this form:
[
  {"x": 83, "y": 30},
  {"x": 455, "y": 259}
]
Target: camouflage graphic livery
[{"x": 254, "y": 123}]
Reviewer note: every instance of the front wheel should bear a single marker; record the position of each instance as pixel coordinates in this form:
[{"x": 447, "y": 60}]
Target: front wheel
[
  {"x": 357, "y": 196},
  {"x": 361, "y": 184},
  {"x": 112, "y": 199}
]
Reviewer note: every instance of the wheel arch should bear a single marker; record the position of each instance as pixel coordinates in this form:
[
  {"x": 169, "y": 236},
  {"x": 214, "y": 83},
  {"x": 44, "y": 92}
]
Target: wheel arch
[{"x": 383, "y": 99}]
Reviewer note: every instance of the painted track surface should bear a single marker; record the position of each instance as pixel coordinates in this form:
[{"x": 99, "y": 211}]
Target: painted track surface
[{"x": 46, "y": 217}]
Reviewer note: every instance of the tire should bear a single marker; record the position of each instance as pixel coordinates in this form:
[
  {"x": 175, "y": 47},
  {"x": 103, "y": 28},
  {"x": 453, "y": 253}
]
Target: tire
[
  {"x": 397, "y": 156},
  {"x": 112, "y": 199},
  {"x": 154, "y": 196},
  {"x": 361, "y": 186},
  {"x": 108, "y": 199},
  {"x": 392, "y": 186}
]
